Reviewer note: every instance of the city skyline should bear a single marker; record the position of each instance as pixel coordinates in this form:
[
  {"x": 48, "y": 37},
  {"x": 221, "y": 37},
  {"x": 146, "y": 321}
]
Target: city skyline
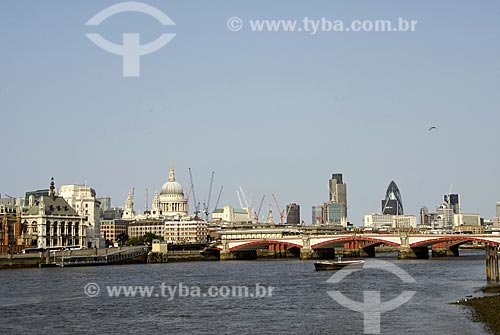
[
  {"x": 271, "y": 112},
  {"x": 303, "y": 216}
]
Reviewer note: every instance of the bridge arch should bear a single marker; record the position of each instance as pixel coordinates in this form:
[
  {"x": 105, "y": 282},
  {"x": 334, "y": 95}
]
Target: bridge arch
[
  {"x": 374, "y": 241},
  {"x": 260, "y": 244},
  {"x": 461, "y": 239}
]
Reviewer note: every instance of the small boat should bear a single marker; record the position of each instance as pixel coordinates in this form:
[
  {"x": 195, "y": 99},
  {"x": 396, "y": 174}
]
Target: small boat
[{"x": 338, "y": 265}]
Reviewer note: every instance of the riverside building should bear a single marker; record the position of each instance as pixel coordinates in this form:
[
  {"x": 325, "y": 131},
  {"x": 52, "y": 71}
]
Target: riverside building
[
  {"x": 83, "y": 200},
  {"x": 52, "y": 222},
  {"x": 378, "y": 221}
]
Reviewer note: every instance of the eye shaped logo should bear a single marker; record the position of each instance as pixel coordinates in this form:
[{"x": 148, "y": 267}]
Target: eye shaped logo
[
  {"x": 131, "y": 50},
  {"x": 372, "y": 306}
]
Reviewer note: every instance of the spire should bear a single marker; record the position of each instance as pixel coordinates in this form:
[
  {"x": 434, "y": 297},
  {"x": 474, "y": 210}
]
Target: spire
[
  {"x": 52, "y": 187},
  {"x": 270, "y": 219},
  {"x": 171, "y": 175}
]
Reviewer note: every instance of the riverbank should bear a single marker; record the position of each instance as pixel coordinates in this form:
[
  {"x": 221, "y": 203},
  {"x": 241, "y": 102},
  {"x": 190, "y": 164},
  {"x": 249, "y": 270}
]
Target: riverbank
[
  {"x": 487, "y": 309},
  {"x": 46, "y": 259}
]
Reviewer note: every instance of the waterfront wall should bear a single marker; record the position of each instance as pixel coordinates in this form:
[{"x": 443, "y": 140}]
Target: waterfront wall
[{"x": 21, "y": 261}]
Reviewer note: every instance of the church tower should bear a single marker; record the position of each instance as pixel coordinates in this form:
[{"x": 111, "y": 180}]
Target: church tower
[
  {"x": 129, "y": 212},
  {"x": 155, "y": 208},
  {"x": 270, "y": 219}
]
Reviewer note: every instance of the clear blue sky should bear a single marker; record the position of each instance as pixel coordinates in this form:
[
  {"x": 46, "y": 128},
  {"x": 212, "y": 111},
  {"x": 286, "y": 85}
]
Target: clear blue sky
[{"x": 272, "y": 112}]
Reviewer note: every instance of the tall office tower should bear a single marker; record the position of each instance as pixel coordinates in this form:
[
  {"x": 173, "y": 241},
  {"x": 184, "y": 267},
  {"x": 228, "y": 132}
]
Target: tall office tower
[
  {"x": 317, "y": 215},
  {"x": 105, "y": 203},
  {"x": 333, "y": 213},
  {"x": 424, "y": 216},
  {"x": 498, "y": 210},
  {"x": 393, "y": 203},
  {"x": 454, "y": 201},
  {"x": 338, "y": 191},
  {"x": 293, "y": 214}
]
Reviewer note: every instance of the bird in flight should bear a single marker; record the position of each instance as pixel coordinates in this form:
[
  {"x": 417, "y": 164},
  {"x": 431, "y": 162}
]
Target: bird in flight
[{"x": 432, "y": 128}]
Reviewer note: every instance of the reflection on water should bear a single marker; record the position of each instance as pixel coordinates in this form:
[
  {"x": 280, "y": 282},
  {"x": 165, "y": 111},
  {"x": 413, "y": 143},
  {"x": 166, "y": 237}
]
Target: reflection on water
[{"x": 52, "y": 300}]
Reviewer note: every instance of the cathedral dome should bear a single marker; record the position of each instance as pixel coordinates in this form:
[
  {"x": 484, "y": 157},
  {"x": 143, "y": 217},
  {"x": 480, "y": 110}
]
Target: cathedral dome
[{"x": 171, "y": 187}]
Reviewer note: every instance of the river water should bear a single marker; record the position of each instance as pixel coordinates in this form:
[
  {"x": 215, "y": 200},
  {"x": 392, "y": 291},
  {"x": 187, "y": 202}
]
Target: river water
[{"x": 52, "y": 300}]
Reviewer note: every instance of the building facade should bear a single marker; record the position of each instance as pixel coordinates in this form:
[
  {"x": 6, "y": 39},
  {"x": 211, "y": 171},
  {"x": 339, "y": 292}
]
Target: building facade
[
  {"x": 453, "y": 200},
  {"x": 191, "y": 231},
  {"x": 10, "y": 223},
  {"x": 110, "y": 229},
  {"x": 378, "y": 221},
  {"x": 105, "y": 203},
  {"x": 32, "y": 196},
  {"x": 112, "y": 213},
  {"x": 293, "y": 214},
  {"x": 317, "y": 215},
  {"x": 334, "y": 214},
  {"x": 83, "y": 200},
  {"x": 140, "y": 228},
  {"x": 171, "y": 202},
  {"x": 466, "y": 220},
  {"x": 338, "y": 191},
  {"x": 52, "y": 222},
  {"x": 128, "y": 211},
  {"x": 393, "y": 202},
  {"x": 233, "y": 215}
]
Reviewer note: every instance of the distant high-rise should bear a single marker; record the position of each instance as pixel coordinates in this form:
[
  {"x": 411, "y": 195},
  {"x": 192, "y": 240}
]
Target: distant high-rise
[
  {"x": 424, "y": 216},
  {"x": 454, "y": 201},
  {"x": 498, "y": 210},
  {"x": 334, "y": 213},
  {"x": 317, "y": 215},
  {"x": 105, "y": 203},
  {"x": 393, "y": 203},
  {"x": 338, "y": 192},
  {"x": 293, "y": 214}
]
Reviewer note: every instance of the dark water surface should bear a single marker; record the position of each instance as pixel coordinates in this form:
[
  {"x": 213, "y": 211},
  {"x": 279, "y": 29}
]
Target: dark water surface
[{"x": 52, "y": 301}]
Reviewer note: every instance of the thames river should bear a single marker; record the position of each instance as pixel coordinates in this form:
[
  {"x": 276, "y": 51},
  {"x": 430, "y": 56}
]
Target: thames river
[{"x": 53, "y": 301}]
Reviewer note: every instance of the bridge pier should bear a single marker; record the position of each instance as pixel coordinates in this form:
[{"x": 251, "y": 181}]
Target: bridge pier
[
  {"x": 308, "y": 253},
  {"x": 367, "y": 252},
  {"x": 352, "y": 253},
  {"x": 238, "y": 255},
  {"x": 355, "y": 249},
  {"x": 413, "y": 253},
  {"x": 359, "y": 252},
  {"x": 445, "y": 252}
]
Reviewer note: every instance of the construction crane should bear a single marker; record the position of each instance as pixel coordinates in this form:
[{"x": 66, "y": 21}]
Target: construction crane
[
  {"x": 244, "y": 198},
  {"x": 207, "y": 204},
  {"x": 239, "y": 198},
  {"x": 282, "y": 213},
  {"x": 257, "y": 214},
  {"x": 218, "y": 198},
  {"x": 196, "y": 204},
  {"x": 288, "y": 212},
  {"x": 189, "y": 193},
  {"x": 147, "y": 212}
]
